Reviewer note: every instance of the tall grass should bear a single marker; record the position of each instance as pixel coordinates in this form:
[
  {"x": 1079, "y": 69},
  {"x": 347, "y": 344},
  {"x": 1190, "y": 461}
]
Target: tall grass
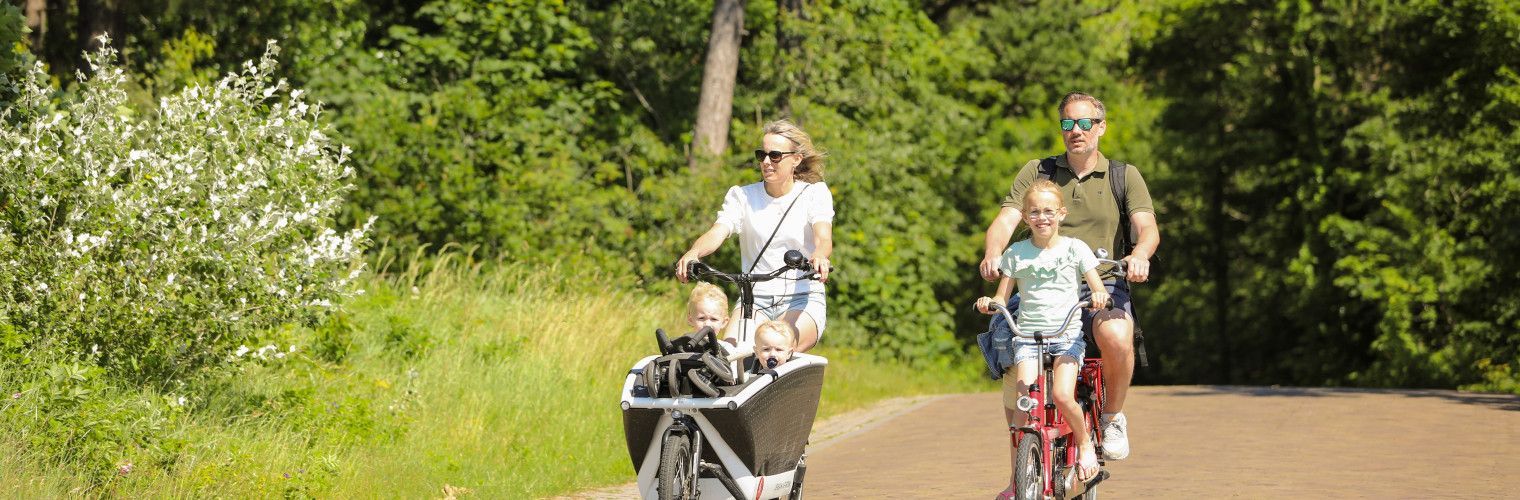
[{"x": 492, "y": 377}]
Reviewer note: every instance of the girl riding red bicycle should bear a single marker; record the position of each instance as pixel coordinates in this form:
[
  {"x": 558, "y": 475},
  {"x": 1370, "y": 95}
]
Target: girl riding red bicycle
[{"x": 1046, "y": 267}]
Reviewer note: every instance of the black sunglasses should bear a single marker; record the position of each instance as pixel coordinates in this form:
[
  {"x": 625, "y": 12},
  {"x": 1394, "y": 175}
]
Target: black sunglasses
[
  {"x": 1085, "y": 123},
  {"x": 776, "y": 156}
]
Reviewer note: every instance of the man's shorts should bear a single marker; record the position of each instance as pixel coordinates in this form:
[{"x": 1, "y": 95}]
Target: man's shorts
[
  {"x": 810, "y": 303},
  {"x": 1118, "y": 293}
]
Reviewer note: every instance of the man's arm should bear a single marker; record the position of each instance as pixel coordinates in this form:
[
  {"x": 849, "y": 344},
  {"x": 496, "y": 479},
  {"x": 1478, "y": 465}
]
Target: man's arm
[
  {"x": 1149, "y": 235},
  {"x": 996, "y": 241}
]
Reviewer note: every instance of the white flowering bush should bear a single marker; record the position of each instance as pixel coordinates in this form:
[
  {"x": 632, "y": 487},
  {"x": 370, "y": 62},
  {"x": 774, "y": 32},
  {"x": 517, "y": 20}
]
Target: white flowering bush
[{"x": 158, "y": 241}]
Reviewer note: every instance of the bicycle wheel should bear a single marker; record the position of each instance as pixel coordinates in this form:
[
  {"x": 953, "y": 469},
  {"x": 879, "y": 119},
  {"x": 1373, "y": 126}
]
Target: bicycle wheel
[
  {"x": 675, "y": 467},
  {"x": 1028, "y": 485}
]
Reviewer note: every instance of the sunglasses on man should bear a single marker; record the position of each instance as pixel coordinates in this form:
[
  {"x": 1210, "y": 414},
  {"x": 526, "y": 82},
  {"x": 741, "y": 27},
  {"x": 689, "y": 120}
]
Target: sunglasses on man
[
  {"x": 775, "y": 156},
  {"x": 1085, "y": 123}
]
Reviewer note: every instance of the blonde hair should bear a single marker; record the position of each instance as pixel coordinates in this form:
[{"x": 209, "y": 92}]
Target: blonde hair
[
  {"x": 781, "y": 327},
  {"x": 811, "y": 167},
  {"x": 1043, "y": 185},
  {"x": 707, "y": 291}
]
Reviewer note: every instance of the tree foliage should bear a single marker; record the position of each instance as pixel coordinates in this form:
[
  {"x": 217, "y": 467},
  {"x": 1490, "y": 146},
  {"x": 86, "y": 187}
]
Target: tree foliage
[
  {"x": 1328, "y": 176},
  {"x": 1348, "y": 163}
]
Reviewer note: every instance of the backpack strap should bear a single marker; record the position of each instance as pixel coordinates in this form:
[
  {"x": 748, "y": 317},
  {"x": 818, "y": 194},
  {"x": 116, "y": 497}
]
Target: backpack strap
[
  {"x": 1048, "y": 168},
  {"x": 1116, "y": 171}
]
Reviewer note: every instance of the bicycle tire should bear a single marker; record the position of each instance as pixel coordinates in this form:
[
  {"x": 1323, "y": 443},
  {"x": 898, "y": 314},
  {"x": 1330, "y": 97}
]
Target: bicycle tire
[
  {"x": 1027, "y": 483},
  {"x": 675, "y": 454}
]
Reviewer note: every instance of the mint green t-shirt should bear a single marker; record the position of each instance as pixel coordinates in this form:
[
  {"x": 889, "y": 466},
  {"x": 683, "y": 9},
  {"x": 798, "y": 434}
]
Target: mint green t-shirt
[{"x": 1048, "y": 280}]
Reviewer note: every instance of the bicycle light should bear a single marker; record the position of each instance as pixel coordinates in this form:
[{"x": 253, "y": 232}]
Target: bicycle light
[{"x": 1025, "y": 403}]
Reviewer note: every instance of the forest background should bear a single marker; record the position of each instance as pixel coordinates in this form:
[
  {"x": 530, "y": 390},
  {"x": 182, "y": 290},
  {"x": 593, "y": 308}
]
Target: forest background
[{"x": 1333, "y": 180}]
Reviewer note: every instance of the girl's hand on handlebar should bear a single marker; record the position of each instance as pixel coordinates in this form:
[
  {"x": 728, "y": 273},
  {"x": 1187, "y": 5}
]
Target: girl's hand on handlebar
[
  {"x": 1099, "y": 299},
  {"x": 984, "y": 304}
]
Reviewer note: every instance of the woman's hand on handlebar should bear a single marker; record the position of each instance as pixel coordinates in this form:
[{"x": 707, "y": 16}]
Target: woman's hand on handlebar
[
  {"x": 820, "y": 265},
  {"x": 683, "y": 264},
  {"x": 984, "y": 304}
]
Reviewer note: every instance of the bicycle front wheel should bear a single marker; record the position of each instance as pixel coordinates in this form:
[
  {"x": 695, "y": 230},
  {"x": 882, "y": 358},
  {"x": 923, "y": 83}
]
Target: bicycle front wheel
[
  {"x": 1027, "y": 483},
  {"x": 675, "y": 467}
]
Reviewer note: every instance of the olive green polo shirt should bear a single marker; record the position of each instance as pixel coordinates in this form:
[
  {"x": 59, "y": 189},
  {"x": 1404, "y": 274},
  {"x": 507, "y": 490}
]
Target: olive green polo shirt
[{"x": 1092, "y": 214}]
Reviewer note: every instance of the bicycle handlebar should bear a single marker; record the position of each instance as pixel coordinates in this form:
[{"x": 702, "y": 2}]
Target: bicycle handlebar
[
  {"x": 1014, "y": 326},
  {"x": 794, "y": 261}
]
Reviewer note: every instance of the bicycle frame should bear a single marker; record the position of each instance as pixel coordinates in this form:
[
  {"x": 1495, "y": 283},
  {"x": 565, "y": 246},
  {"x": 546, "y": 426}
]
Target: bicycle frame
[{"x": 1044, "y": 420}]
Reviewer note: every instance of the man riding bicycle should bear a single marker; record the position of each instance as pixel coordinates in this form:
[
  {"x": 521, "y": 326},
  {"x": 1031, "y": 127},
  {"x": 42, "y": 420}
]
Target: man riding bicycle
[{"x": 1102, "y": 212}]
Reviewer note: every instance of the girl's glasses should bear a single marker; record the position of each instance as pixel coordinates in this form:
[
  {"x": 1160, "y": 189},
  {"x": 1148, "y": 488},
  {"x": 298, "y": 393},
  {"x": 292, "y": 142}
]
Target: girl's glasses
[
  {"x": 1085, "y": 123},
  {"x": 1042, "y": 214},
  {"x": 775, "y": 156}
]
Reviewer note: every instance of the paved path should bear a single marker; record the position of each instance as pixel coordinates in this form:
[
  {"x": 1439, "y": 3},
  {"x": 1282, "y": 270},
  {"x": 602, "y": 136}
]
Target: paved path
[{"x": 1191, "y": 441}]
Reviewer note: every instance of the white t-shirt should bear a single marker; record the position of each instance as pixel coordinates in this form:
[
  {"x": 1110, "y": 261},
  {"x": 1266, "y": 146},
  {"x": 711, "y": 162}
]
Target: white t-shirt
[
  {"x": 751, "y": 213},
  {"x": 1048, "y": 279}
]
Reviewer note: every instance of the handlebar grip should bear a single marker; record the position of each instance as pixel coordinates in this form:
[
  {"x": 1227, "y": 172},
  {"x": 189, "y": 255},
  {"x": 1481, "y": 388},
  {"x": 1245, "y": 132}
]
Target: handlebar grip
[
  {"x": 697, "y": 267},
  {"x": 814, "y": 275}
]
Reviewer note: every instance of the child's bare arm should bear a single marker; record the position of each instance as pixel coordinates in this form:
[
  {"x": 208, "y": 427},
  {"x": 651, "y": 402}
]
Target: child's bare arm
[{"x": 1004, "y": 289}]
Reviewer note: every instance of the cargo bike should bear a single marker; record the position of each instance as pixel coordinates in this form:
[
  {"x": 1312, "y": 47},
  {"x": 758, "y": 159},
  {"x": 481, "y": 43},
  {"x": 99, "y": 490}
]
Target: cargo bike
[{"x": 702, "y": 421}]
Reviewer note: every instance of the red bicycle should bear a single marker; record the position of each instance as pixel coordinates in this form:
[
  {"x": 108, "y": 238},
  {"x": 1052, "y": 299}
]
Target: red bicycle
[{"x": 1046, "y": 457}]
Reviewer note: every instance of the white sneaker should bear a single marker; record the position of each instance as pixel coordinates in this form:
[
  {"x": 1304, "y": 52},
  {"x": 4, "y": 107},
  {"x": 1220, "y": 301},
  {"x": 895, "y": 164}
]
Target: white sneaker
[{"x": 1115, "y": 441}]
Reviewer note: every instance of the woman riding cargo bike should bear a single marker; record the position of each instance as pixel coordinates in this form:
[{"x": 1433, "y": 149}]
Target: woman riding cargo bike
[{"x": 697, "y": 422}]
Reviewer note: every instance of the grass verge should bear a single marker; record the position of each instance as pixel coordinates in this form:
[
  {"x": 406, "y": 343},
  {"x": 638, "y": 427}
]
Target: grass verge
[{"x": 494, "y": 380}]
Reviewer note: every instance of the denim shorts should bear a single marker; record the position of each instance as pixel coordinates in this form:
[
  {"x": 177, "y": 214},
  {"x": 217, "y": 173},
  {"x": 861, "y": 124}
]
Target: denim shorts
[
  {"x": 810, "y": 303},
  {"x": 1024, "y": 350}
]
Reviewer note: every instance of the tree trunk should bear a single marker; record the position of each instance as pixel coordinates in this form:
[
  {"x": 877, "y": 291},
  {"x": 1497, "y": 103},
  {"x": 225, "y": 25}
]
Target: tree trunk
[
  {"x": 716, "y": 105},
  {"x": 1221, "y": 270},
  {"x": 787, "y": 43},
  {"x": 97, "y": 18},
  {"x": 36, "y": 19}
]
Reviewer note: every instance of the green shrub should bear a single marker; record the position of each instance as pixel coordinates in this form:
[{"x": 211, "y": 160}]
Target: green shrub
[{"x": 156, "y": 243}]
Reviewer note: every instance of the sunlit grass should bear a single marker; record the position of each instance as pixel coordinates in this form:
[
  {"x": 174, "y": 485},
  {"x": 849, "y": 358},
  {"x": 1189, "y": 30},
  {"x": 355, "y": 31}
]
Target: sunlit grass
[{"x": 492, "y": 377}]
